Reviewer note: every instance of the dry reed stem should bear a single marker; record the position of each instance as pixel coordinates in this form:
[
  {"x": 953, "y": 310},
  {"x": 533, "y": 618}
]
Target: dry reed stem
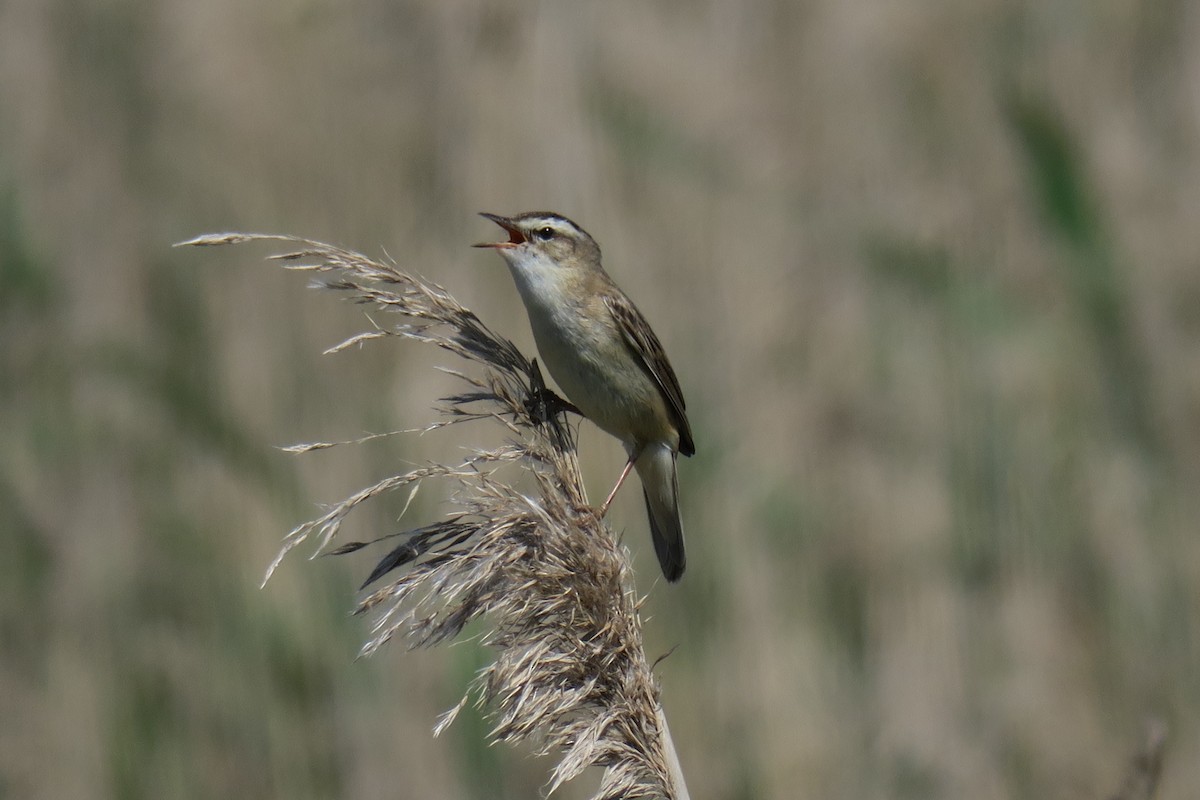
[
  {"x": 1145, "y": 770},
  {"x": 545, "y": 575}
]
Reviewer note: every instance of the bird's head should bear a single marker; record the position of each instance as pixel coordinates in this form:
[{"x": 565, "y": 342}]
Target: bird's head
[{"x": 543, "y": 243}]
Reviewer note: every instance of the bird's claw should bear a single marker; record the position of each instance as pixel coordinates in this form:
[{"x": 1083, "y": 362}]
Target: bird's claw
[{"x": 541, "y": 403}]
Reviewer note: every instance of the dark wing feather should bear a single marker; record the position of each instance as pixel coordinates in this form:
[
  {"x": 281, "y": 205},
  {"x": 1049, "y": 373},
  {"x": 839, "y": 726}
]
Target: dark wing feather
[{"x": 649, "y": 350}]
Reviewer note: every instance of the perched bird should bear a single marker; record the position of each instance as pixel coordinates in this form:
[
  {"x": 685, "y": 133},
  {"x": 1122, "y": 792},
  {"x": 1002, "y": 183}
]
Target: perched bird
[{"x": 606, "y": 359}]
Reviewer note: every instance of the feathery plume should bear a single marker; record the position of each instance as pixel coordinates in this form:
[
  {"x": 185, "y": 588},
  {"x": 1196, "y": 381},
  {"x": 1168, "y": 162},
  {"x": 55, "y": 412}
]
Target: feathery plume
[{"x": 542, "y": 571}]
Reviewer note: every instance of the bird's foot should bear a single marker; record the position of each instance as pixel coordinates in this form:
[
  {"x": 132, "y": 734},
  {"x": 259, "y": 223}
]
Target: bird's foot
[{"x": 542, "y": 404}]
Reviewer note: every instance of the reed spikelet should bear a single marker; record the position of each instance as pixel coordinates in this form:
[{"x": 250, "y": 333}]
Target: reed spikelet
[{"x": 543, "y": 572}]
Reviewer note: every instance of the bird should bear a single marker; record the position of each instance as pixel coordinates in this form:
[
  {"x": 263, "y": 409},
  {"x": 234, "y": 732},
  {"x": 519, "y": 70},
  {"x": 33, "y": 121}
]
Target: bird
[{"x": 604, "y": 356}]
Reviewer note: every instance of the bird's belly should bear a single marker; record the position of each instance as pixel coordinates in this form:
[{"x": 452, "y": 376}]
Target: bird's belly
[{"x": 602, "y": 377}]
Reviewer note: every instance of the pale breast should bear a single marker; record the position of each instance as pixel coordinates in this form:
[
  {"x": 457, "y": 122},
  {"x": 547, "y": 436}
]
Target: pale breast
[{"x": 593, "y": 366}]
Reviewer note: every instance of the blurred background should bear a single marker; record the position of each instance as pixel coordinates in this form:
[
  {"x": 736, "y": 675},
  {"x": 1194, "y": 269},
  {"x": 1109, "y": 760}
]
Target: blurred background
[{"x": 928, "y": 272}]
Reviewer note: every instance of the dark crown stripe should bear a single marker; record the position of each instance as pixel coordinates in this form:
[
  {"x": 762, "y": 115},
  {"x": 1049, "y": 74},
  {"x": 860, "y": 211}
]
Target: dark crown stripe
[{"x": 548, "y": 216}]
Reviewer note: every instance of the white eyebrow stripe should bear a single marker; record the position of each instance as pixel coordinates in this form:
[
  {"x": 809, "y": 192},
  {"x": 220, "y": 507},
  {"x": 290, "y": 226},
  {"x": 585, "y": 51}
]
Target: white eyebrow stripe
[{"x": 554, "y": 221}]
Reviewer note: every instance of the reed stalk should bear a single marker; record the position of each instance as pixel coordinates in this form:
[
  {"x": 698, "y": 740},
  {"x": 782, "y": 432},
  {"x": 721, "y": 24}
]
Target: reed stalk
[{"x": 547, "y": 578}]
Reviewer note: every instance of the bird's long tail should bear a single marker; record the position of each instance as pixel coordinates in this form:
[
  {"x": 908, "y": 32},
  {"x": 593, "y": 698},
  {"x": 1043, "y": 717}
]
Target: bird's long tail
[{"x": 660, "y": 485}]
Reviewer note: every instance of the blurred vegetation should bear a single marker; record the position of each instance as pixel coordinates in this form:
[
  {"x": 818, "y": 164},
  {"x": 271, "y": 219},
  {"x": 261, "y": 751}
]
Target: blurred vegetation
[{"x": 927, "y": 273}]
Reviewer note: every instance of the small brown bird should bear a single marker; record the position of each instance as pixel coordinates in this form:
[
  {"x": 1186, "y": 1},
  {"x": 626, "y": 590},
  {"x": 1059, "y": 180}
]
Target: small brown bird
[{"x": 606, "y": 359}]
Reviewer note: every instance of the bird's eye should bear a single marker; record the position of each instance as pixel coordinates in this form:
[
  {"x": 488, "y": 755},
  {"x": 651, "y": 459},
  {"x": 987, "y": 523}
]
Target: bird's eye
[{"x": 545, "y": 234}]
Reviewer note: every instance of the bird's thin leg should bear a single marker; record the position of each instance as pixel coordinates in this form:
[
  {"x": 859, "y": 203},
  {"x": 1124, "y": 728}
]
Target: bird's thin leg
[{"x": 620, "y": 480}]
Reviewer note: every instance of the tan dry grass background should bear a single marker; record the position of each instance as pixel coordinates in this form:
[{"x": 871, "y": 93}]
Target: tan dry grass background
[{"x": 927, "y": 271}]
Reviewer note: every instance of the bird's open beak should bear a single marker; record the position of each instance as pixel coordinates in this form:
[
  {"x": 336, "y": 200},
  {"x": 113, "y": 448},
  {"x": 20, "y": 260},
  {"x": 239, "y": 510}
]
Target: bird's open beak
[{"x": 515, "y": 237}]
